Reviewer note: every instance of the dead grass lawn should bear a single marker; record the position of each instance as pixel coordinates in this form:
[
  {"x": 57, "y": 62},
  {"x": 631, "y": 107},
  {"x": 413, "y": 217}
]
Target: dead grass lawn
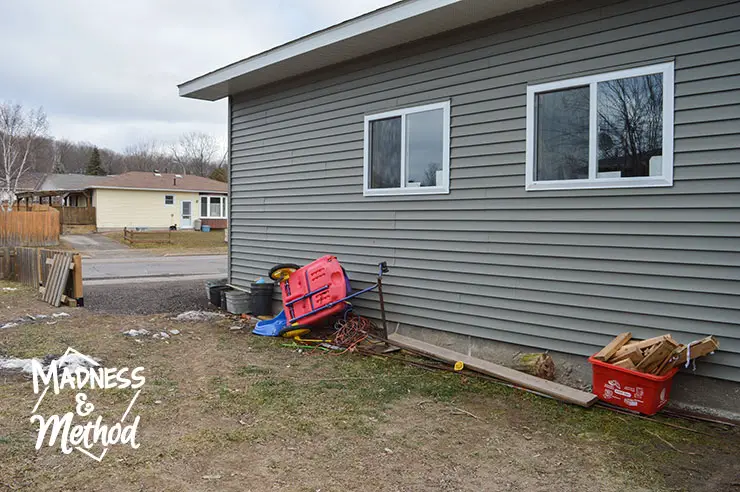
[
  {"x": 191, "y": 241},
  {"x": 226, "y": 410}
]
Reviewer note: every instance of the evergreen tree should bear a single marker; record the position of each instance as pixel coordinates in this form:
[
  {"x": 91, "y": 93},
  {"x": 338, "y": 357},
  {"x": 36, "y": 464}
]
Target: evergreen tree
[
  {"x": 219, "y": 174},
  {"x": 94, "y": 166}
]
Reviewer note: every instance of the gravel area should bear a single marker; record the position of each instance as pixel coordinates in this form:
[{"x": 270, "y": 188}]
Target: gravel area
[{"x": 147, "y": 298}]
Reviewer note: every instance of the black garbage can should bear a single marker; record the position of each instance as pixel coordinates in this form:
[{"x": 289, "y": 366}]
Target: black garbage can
[
  {"x": 260, "y": 301},
  {"x": 214, "y": 293}
]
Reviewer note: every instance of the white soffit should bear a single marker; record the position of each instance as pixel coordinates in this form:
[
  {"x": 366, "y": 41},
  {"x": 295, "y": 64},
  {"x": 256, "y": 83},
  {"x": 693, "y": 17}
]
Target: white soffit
[{"x": 397, "y": 24}]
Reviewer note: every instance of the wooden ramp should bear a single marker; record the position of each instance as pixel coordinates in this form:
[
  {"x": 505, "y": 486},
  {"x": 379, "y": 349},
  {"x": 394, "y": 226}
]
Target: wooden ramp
[{"x": 556, "y": 390}]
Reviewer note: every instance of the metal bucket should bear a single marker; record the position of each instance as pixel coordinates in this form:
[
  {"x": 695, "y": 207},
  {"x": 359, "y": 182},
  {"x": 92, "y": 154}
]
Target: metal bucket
[{"x": 237, "y": 301}]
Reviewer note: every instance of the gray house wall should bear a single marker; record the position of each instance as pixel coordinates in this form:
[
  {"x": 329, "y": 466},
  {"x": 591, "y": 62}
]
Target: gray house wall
[{"x": 557, "y": 270}]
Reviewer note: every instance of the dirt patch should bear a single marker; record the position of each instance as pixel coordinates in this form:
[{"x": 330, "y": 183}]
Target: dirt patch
[{"x": 225, "y": 410}]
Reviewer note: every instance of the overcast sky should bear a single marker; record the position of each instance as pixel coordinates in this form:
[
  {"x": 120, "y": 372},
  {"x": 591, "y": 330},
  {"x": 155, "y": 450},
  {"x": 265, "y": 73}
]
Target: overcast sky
[{"x": 106, "y": 71}]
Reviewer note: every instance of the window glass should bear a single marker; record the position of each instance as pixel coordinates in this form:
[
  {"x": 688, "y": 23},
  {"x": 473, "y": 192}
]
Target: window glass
[
  {"x": 424, "y": 148},
  {"x": 215, "y": 210},
  {"x": 562, "y": 119},
  {"x": 204, "y": 206},
  {"x": 630, "y": 119},
  {"x": 385, "y": 153},
  {"x": 169, "y": 199}
]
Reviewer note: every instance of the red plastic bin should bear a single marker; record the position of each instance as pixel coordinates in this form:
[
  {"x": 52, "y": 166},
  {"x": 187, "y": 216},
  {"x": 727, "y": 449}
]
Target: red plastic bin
[{"x": 634, "y": 390}]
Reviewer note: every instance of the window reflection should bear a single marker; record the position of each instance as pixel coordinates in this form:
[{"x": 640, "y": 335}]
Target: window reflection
[{"x": 630, "y": 119}]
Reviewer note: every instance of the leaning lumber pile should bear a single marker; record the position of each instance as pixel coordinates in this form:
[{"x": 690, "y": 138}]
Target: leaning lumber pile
[{"x": 656, "y": 355}]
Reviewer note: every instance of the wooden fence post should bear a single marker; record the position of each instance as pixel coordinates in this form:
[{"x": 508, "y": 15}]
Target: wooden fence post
[{"x": 77, "y": 284}]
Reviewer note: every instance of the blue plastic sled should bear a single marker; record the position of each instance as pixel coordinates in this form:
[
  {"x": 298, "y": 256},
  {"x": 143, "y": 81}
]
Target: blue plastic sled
[{"x": 271, "y": 327}]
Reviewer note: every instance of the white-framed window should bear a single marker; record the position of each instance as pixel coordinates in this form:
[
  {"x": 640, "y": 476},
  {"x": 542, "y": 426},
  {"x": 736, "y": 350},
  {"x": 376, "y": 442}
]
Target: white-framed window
[
  {"x": 612, "y": 130},
  {"x": 169, "y": 200},
  {"x": 407, "y": 151},
  {"x": 213, "y": 207}
]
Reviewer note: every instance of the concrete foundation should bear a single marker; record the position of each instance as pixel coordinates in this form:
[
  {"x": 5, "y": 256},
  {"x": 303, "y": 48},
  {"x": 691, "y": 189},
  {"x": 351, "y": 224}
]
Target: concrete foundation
[{"x": 699, "y": 394}]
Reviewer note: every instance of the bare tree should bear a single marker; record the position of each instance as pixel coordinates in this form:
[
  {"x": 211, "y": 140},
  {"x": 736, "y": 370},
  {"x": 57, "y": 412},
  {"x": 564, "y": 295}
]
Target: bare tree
[
  {"x": 197, "y": 153},
  {"x": 143, "y": 156},
  {"x": 60, "y": 150},
  {"x": 19, "y": 131}
]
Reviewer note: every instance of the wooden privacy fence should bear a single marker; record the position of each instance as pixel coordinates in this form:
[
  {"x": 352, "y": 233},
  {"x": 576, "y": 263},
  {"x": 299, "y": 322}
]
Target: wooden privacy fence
[
  {"x": 142, "y": 237},
  {"x": 34, "y": 228},
  {"x": 57, "y": 274},
  {"x": 77, "y": 215}
]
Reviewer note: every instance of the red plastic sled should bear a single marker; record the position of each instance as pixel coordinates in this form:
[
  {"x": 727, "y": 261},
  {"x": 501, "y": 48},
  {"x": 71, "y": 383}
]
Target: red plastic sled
[{"x": 315, "y": 291}]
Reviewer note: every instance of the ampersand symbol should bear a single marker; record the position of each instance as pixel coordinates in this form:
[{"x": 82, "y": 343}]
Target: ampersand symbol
[{"x": 84, "y": 408}]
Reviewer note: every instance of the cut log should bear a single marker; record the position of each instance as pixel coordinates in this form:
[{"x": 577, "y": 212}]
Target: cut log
[
  {"x": 626, "y": 364},
  {"x": 540, "y": 365},
  {"x": 642, "y": 344},
  {"x": 606, "y": 353},
  {"x": 550, "y": 388},
  {"x": 655, "y": 357}
]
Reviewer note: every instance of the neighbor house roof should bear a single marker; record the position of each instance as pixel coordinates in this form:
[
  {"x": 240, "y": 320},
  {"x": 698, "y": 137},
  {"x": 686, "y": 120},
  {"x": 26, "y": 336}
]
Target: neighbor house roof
[
  {"x": 399, "y": 23},
  {"x": 27, "y": 182},
  {"x": 137, "y": 180},
  {"x": 61, "y": 182}
]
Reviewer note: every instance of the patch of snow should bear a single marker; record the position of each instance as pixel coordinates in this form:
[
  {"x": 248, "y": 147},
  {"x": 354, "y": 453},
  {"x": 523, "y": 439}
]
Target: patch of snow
[
  {"x": 9, "y": 289},
  {"x": 8, "y": 325},
  {"x": 61, "y": 315},
  {"x": 136, "y": 333},
  {"x": 23, "y": 365},
  {"x": 197, "y": 316},
  {"x": 72, "y": 361},
  {"x": 174, "y": 332}
]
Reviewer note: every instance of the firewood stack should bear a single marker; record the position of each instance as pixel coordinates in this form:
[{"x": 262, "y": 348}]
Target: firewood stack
[{"x": 656, "y": 355}]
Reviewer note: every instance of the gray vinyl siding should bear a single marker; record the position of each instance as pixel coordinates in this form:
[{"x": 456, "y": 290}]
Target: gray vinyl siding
[{"x": 557, "y": 270}]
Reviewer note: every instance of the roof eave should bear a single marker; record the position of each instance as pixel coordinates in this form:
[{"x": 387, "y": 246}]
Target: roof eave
[{"x": 396, "y": 24}]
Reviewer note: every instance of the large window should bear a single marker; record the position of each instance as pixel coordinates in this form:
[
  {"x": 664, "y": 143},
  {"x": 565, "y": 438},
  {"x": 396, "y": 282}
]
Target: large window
[
  {"x": 602, "y": 131},
  {"x": 407, "y": 151},
  {"x": 213, "y": 207}
]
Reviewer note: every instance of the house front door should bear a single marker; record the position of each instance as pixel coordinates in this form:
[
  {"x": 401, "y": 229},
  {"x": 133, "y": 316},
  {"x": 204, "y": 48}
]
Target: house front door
[{"x": 186, "y": 217}]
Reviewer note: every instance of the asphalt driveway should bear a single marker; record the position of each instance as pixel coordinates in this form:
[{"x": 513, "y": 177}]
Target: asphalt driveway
[{"x": 92, "y": 243}]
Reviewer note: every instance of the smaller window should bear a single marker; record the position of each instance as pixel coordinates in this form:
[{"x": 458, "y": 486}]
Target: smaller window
[
  {"x": 407, "y": 151},
  {"x": 204, "y": 206},
  {"x": 215, "y": 210},
  {"x": 169, "y": 199}
]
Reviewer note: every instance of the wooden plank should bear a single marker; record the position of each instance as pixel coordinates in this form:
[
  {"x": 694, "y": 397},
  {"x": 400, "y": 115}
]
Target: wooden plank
[
  {"x": 634, "y": 355},
  {"x": 667, "y": 364},
  {"x": 642, "y": 344},
  {"x": 77, "y": 282},
  {"x": 51, "y": 283},
  {"x": 556, "y": 390},
  {"x": 698, "y": 349},
  {"x": 606, "y": 353},
  {"x": 655, "y": 357},
  {"x": 626, "y": 364},
  {"x": 39, "y": 270},
  {"x": 65, "y": 260}
]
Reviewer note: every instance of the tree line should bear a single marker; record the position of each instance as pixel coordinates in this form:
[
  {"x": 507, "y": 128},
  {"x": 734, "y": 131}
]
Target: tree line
[{"x": 26, "y": 147}]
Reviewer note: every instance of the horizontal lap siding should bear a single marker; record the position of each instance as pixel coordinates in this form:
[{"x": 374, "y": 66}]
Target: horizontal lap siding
[{"x": 560, "y": 270}]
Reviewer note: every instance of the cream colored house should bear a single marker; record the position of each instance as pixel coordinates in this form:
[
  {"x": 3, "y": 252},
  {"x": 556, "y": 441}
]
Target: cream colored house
[{"x": 159, "y": 201}]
